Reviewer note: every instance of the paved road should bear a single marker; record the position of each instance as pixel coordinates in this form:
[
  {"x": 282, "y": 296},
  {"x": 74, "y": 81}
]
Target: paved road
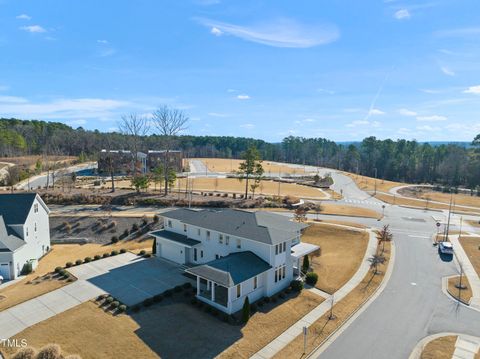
[{"x": 412, "y": 306}]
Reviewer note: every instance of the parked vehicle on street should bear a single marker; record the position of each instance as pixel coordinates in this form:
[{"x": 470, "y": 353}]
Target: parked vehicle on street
[{"x": 445, "y": 248}]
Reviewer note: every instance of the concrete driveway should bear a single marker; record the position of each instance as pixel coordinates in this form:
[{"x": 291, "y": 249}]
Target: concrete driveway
[{"x": 129, "y": 278}]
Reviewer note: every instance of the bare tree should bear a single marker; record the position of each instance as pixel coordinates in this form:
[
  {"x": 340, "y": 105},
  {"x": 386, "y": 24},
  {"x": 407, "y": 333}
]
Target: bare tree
[
  {"x": 135, "y": 127},
  {"x": 169, "y": 122}
]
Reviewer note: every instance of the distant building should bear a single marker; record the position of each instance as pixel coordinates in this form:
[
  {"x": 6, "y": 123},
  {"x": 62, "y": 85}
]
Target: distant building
[
  {"x": 121, "y": 162},
  {"x": 157, "y": 158},
  {"x": 24, "y": 232}
]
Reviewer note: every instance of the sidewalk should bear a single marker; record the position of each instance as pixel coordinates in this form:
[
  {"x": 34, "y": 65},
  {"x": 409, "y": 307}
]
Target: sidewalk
[
  {"x": 296, "y": 329},
  {"x": 469, "y": 271}
]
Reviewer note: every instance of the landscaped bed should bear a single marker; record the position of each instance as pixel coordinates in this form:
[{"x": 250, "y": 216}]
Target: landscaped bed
[
  {"x": 342, "y": 251},
  {"x": 463, "y": 294},
  {"x": 440, "y": 348}
]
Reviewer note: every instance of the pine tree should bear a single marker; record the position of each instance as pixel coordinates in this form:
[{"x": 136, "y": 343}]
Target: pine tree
[
  {"x": 306, "y": 264},
  {"x": 246, "y": 310},
  {"x": 154, "y": 246}
]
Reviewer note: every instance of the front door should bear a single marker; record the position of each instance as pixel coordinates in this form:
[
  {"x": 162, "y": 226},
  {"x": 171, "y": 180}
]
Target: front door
[{"x": 195, "y": 254}]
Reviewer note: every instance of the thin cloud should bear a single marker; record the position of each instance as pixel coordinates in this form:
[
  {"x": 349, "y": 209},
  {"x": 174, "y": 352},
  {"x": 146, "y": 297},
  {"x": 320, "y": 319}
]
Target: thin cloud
[
  {"x": 433, "y": 118},
  {"x": 33, "y": 29},
  {"x": 406, "y": 112},
  {"x": 248, "y": 126},
  {"x": 24, "y": 17},
  {"x": 473, "y": 89},
  {"x": 402, "y": 14},
  {"x": 243, "y": 97},
  {"x": 376, "y": 112},
  {"x": 447, "y": 71},
  {"x": 278, "y": 33},
  {"x": 459, "y": 32},
  {"x": 364, "y": 123},
  {"x": 102, "y": 41}
]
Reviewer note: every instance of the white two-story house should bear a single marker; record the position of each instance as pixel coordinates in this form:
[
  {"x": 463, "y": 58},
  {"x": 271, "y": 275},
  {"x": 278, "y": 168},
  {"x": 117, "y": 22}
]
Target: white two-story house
[
  {"x": 231, "y": 253},
  {"x": 24, "y": 232}
]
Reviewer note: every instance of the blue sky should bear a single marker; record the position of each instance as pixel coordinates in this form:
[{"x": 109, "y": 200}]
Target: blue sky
[{"x": 340, "y": 69}]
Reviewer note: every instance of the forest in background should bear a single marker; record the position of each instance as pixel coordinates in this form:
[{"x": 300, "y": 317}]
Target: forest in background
[{"x": 452, "y": 165}]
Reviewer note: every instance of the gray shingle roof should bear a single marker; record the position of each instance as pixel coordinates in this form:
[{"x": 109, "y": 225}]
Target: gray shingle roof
[
  {"x": 15, "y": 207},
  {"x": 232, "y": 269},
  {"x": 259, "y": 226},
  {"x": 8, "y": 242},
  {"x": 175, "y": 237}
]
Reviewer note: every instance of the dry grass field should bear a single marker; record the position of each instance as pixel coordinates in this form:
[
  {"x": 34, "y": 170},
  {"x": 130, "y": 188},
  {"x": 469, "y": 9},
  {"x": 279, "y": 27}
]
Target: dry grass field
[
  {"x": 368, "y": 183},
  {"x": 61, "y": 253},
  {"x": 465, "y": 294},
  {"x": 459, "y": 199},
  {"x": 30, "y": 161},
  {"x": 440, "y": 348},
  {"x": 342, "y": 253},
  {"x": 323, "y": 327},
  {"x": 231, "y": 165},
  {"x": 344, "y": 210},
  {"x": 471, "y": 245}
]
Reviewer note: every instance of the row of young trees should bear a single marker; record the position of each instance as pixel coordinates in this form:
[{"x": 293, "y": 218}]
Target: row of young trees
[{"x": 401, "y": 160}]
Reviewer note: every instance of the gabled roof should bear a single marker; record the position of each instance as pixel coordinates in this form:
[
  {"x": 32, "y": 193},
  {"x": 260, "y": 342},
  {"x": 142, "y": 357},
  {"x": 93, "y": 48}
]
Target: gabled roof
[
  {"x": 15, "y": 207},
  {"x": 8, "y": 242},
  {"x": 232, "y": 269},
  {"x": 260, "y": 226},
  {"x": 175, "y": 237}
]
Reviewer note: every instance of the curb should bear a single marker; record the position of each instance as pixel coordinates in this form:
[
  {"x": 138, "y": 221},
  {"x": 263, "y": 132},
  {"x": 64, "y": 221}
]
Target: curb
[
  {"x": 417, "y": 351},
  {"x": 351, "y": 318}
]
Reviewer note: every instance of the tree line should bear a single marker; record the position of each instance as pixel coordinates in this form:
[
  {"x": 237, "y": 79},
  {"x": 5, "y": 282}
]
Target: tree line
[{"x": 401, "y": 160}]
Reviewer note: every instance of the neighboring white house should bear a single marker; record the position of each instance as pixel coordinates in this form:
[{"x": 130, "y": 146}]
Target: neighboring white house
[
  {"x": 232, "y": 253},
  {"x": 24, "y": 232}
]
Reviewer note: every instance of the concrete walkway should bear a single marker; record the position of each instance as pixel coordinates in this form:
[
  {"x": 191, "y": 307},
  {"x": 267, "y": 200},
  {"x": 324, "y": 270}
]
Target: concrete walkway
[
  {"x": 296, "y": 329},
  {"x": 466, "y": 347},
  {"x": 469, "y": 271}
]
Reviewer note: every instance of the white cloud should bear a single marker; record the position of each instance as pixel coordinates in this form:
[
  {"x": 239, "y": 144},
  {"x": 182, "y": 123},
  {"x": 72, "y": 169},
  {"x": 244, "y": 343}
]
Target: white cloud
[
  {"x": 12, "y": 99},
  {"x": 447, "y": 71},
  {"x": 231, "y": 90},
  {"x": 428, "y": 128},
  {"x": 107, "y": 52},
  {"x": 376, "y": 112},
  {"x": 430, "y": 91},
  {"x": 243, "y": 97},
  {"x": 466, "y": 31},
  {"x": 358, "y": 123},
  {"x": 402, "y": 14},
  {"x": 473, "y": 89},
  {"x": 248, "y": 126},
  {"x": 4, "y": 88},
  {"x": 79, "y": 122},
  {"x": 33, "y": 29},
  {"x": 216, "y": 31},
  {"x": 24, "y": 17},
  {"x": 278, "y": 33},
  {"x": 309, "y": 120},
  {"x": 102, "y": 41},
  {"x": 218, "y": 114},
  {"x": 433, "y": 118},
  {"x": 330, "y": 92},
  {"x": 406, "y": 112}
]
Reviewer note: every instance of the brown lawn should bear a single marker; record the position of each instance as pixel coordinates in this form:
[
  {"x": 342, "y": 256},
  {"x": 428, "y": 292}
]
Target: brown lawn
[
  {"x": 259, "y": 332},
  {"x": 323, "y": 327},
  {"x": 344, "y": 210},
  {"x": 475, "y": 224},
  {"x": 168, "y": 329},
  {"x": 30, "y": 161},
  {"x": 465, "y": 294},
  {"x": 368, "y": 183},
  {"x": 471, "y": 245},
  {"x": 343, "y": 223},
  {"x": 440, "y": 348},
  {"x": 231, "y": 165},
  {"x": 61, "y": 253},
  {"x": 342, "y": 251}
]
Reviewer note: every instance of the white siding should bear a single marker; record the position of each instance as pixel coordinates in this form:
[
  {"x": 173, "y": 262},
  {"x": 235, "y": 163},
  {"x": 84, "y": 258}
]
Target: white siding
[{"x": 171, "y": 251}]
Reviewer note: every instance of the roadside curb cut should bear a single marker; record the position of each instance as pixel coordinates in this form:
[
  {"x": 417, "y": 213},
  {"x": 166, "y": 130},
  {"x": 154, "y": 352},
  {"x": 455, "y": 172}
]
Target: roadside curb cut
[{"x": 417, "y": 351}]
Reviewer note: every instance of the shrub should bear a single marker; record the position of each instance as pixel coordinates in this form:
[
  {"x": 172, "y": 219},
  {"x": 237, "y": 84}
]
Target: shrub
[
  {"x": 134, "y": 227},
  {"x": 114, "y": 239},
  {"x": 144, "y": 221},
  {"x": 208, "y": 309},
  {"x": 194, "y": 301},
  {"x": 115, "y": 304},
  {"x": 246, "y": 310},
  {"x": 123, "y": 250},
  {"x": 97, "y": 257},
  {"x": 62, "y": 271},
  {"x": 178, "y": 289},
  {"x": 142, "y": 252},
  {"x": 58, "y": 269},
  {"x": 27, "y": 268},
  {"x": 156, "y": 219},
  {"x": 157, "y": 298},
  {"x": 25, "y": 353},
  {"x": 154, "y": 246},
  {"x": 148, "y": 255},
  {"x": 311, "y": 278},
  {"x": 50, "y": 351},
  {"x": 112, "y": 224},
  {"x": 113, "y": 253},
  {"x": 215, "y": 312},
  {"x": 267, "y": 299},
  {"x": 87, "y": 259},
  {"x": 100, "y": 297},
  {"x": 69, "y": 264},
  {"x": 106, "y": 255},
  {"x": 306, "y": 264},
  {"x": 148, "y": 302},
  {"x": 260, "y": 303},
  {"x": 110, "y": 299},
  {"x": 273, "y": 299},
  {"x": 297, "y": 285},
  {"x": 253, "y": 307},
  {"x": 78, "y": 262},
  {"x": 126, "y": 233},
  {"x": 168, "y": 293},
  {"x": 122, "y": 308},
  {"x": 282, "y": 295},
  {"x": 187, "y": 285}
]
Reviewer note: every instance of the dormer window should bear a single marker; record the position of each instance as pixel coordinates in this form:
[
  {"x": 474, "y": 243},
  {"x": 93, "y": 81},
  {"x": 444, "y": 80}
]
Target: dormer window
[{"x": 35, "y": 208}]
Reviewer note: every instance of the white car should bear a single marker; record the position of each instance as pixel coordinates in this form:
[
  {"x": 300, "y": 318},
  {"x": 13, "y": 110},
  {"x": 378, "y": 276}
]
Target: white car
[{"x": 445, "y": 248}]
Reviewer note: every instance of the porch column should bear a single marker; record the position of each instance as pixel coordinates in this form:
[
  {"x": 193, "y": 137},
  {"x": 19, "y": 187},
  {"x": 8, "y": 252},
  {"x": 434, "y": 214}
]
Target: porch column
[
  {"x": 198, "y": 285},
  {"x": 213, "y": 291}
]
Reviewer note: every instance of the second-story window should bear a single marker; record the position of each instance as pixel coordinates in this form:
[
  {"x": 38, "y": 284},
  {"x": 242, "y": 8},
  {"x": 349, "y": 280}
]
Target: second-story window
[
  {"x": 239, "y": 243},
  {"x": 184, "y": 227},
  {"x": 227, "y": 240},
  {"x": 35, "y": 208},
  {"x": 276, "y": 249},
  {"x": 208, "y": 234},
  {"x": 220, "y": 238},
  {"x": 169, "y": 223},
  {"x": 284, "y": 246},
  {"x": 199, "y": 232}
]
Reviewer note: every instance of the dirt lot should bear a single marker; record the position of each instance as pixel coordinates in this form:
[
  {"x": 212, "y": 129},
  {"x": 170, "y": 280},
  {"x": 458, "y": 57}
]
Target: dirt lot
[
  {"x": 99, "y": 229},
  {"x": 471, "y": 245},
  {"x": 323, "y": 327},
  {"x": 440, "y": 348},
  {"x": 270, "y": 168},
  {"x": 161, "y": 330},
  {"x": 425, "y": 193},
  {"x": 30, "y": 161},
  {"x": 342, "y": 251},
  {"x": 32, "y": 286},
  {"x": 465, "y": 294},
  {"x": 368, "y": 183}
]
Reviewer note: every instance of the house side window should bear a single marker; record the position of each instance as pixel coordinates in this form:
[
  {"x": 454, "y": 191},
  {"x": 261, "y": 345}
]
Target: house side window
[
  {"x": 255, "y": 282},
  {"x": 201, "y": 254},
  {"x": 199, "y": 232},
  {"x": 169, "y": 223},
  {"x": 227, "y": 240},
  {"x": 283, "y": 272},
  {"x": 26, "y": 231},
  {"x": 239, "y": 291},
  {"x": 35, "y": 227},
  {"x": 276, "y": 275},
  {"x": 220, "y": 238},
  {"x": 35, "y": 208},
  {"x": 184, "y": 227},
  {"x": 276, "y": 249},
  {"x": 239, "y": 243},
  {"x": 208, "y": 234},
  {"x": 284, "y": 246}
]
